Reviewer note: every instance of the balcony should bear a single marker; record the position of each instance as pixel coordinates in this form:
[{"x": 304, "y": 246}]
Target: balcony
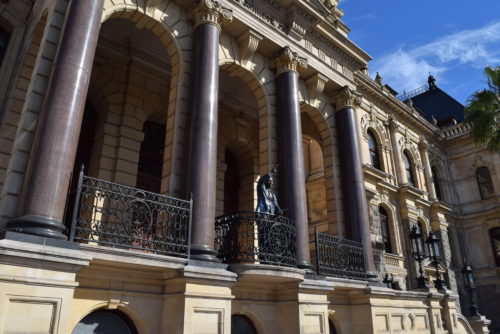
[
  {"x": 339, "y": 257},
  {"x": 114, "y": 215},
  {"x": 254, "y": 237}
]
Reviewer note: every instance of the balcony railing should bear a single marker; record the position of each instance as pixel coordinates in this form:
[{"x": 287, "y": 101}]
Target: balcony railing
[
  {"x": 116, "y": 215},
  {"x": 339, "y": 257},
  {"x": 253, "y": 237}
]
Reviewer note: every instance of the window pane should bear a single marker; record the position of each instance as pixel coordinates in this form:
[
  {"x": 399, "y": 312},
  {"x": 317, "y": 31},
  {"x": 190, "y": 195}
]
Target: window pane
[
  {"x": 4, "y": 41},
  {"x": 373, "y": 149},
  {"x": 484, "y": 183},
  {"x": 495, "y": 242}
]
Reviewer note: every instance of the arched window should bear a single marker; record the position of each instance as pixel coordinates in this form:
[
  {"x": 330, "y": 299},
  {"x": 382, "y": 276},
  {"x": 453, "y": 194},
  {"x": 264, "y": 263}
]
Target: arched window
[
  {"x": 484, "y": 183},
  {"x": 386, "y": 232},
  {"x": 241, "y": 324},
  {"x": 408, "y": 168},
  {"x": 105, "y": 322},
  {"x": 373, "y": 148},
  {"x": 4, "y": 42},
  {"x": 435, "y": 179},
  {"x": 422, "y": 238},
  {"x": 495, "y": 243},
  {"x": 149, "y": 169},
  {"x": 333, "y": 330}
]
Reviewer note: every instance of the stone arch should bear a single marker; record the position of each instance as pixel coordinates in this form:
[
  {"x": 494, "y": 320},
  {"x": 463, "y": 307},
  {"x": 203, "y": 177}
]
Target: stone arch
[
  {"x": 393, "y": 225},
  {"x": 254, "y": 318},
  {"x": 126, "y": 309},
  {"x": 240, "y": 139},
  {"x": 369, "y": 121},
  {"x": 11, "y": 21},
  {"x": 324, "y": 120},
  {"x": 260, "y": 79},
  {"x": 174, "y": 32}
]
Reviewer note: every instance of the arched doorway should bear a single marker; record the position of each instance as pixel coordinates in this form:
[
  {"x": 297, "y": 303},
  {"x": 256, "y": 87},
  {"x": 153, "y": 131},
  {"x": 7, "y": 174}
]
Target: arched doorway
[
  {"x": 241, "y": 324},
  {"x": 105, "y": 322}
]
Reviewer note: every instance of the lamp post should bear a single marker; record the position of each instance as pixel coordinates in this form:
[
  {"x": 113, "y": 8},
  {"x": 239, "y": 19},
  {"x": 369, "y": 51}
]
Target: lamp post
[
  {"x": 470, "y": 286},
  {"x": 433, "y": 244},
  {"x": 419, "y": 255}
]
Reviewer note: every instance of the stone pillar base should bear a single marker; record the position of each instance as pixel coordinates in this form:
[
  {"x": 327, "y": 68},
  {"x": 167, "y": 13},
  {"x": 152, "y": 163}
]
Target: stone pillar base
[
  {"x": 198, "y": 299},
  {"x": 37, "y": 283}
]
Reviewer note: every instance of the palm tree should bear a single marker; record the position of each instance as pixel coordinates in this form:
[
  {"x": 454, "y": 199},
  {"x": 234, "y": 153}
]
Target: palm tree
[{"x": 483, "y": 112}]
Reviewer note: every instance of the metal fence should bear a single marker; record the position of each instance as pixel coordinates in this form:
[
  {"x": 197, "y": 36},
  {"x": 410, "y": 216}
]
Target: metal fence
[
  {"x": 339, "y": 257},
  {"x": 116, "y": 215},
  {"x": 254, "y": 237}
]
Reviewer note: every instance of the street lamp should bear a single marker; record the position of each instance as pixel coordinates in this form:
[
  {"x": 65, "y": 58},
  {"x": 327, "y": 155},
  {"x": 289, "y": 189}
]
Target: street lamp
[
  {"x": 433, "y": 244},
  {"x": 470, "y": 286},
  {"x": 419, "y": 255}
]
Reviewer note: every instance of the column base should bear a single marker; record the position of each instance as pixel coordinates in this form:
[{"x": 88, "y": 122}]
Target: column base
[
  {"x": 304, "y": 265},
  {"x": 44, "y": 227},
  {"x": 203, "y": 253}
]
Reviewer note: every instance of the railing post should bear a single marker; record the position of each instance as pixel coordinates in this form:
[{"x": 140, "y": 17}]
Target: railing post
[
  {"x": 76, "y": 204},
  {"x": 317, "y": 248},
  {"x": 189, "y": 226}
]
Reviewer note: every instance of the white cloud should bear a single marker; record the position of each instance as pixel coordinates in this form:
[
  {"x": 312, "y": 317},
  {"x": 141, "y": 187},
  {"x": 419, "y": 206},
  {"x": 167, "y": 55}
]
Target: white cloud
[{"x": 407, "y": 69}]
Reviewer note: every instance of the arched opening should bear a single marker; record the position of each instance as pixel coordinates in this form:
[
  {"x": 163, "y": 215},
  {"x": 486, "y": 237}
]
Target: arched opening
[
  {"x": 385, "y": 230},
  {"x": 231, "y": 183},
  {"x": 484, "y": 183},
  {"x": 332, "y": 328},
  {"x": 4, "y": 42},
  {"x": 105, "y": 322},
  {"x": 149, "y": 169},
  {"x": 408, "y": 166},
  {"x": 241, "y": 324},
  {"x": 130, "y": 87},
  {"x": 495, "y": 243},
  {"x": 314, "y": 175},
  {"x": 373, "y": 150},
  {"x": 437, "y": 186}
]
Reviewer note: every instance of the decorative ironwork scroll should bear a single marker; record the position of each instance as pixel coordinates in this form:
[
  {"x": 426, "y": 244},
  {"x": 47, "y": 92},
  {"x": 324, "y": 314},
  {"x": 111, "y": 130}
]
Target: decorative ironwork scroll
[
  {"x": 116, "y": 215},
  {"x": 339, "y": 257},
  {"x": 255, "y": 237}
]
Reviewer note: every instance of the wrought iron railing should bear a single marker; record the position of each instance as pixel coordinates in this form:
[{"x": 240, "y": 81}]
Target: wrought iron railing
[
  {"x": 116, "y": 215},
  {"x": 254, "y": 237},
  {"x": 339, "y": 257}
]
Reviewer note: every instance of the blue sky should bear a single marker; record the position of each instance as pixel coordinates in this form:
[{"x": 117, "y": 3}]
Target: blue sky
[{"x": 452, "y": 39}]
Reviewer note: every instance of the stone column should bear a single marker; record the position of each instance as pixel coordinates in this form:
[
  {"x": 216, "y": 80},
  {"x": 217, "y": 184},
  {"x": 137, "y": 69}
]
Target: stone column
[
  {"x": 210, "y": 15},
  {"x": 400, "y": 173},
  {"x": 424, "y": 145},
  {"x": 55, "y": 146},
  {"x": 356, "y": 208},
  {"x": 287, "y": 83}
]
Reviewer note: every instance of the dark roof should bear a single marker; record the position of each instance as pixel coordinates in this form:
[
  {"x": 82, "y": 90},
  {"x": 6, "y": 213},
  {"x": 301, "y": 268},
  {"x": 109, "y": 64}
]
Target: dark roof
[{"x": 435, "y": 102}]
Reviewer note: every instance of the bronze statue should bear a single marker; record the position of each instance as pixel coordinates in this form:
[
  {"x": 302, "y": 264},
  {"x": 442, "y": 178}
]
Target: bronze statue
[{"x": 266, "y": 199}]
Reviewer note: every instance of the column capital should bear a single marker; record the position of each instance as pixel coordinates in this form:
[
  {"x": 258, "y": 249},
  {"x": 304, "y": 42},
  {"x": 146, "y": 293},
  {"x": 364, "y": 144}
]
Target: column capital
[
  {"x": 393, "y": 124},
  {"x": 289, "y": 61},
  {"x": 423, "y": 144},
  {"x": 212, "y": 12},
  {"x": 347, "y": 98}
]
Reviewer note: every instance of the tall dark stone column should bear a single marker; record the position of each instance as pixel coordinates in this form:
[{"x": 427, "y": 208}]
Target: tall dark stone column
[
  {"x": 353, "y": 185},
  {"x": 292, "y": 157},
  {"x": 55, "y": 147},
  {"x": 209, "y": 17}
]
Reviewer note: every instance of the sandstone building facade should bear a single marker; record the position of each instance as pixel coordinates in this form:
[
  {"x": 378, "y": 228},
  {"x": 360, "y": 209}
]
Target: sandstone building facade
[{"x": 175, "y": 109}]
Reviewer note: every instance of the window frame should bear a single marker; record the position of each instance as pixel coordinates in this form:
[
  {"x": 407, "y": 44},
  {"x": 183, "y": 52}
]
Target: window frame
[{"x": 373, "y": 150}]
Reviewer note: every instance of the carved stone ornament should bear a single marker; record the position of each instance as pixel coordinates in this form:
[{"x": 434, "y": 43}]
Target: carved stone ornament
[
  {"x": 248, "y": 43},
  {"x": 347, "y": 98},
  {"x": 209, "y": 11},
  {"x": 290, "y": 61}
]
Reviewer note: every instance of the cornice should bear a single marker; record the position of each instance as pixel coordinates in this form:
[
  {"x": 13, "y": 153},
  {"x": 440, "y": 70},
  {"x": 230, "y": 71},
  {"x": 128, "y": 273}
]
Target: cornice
[{"x": 399, "y": 108}]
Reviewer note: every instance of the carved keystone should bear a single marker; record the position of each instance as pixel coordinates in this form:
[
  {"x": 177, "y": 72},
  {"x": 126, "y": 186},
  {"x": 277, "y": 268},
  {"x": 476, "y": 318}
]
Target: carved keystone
[
  {"x": 248, "y": 42},
  {"x": 315, "y": 86}
]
